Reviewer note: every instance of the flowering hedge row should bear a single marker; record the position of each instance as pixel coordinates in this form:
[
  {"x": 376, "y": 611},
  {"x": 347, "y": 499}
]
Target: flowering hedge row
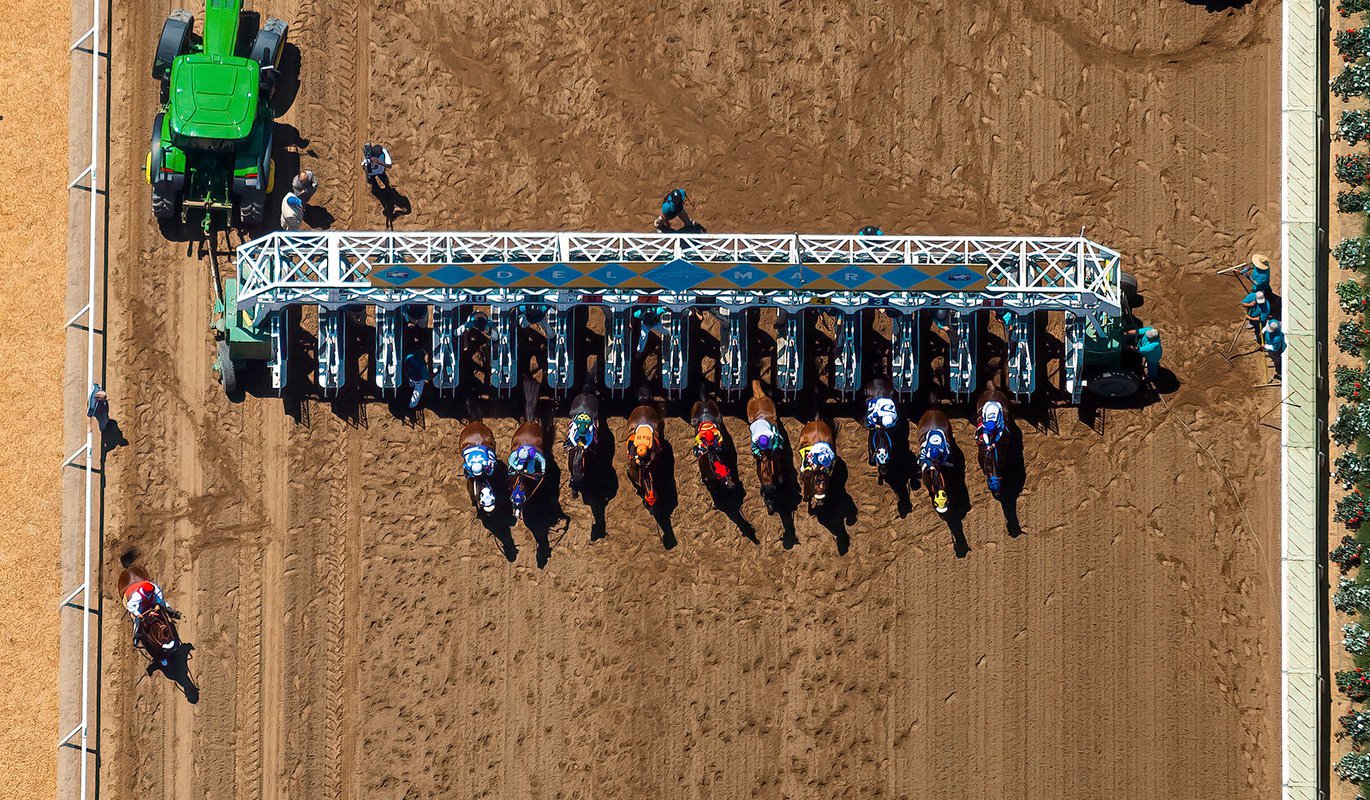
[{"x": 1351, "y": 384}]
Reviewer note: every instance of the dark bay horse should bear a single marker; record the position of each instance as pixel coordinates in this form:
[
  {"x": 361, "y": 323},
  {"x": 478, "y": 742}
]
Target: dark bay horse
[
  {"x": 992, "y": 436},
  {"x": 480, "y": 487},
  {"x": 584, "y": 431},
  {"x": 934, "y": 455},
  {"x": 156, "y": 632},
  {"x": 524, "y": 482},
  {"x": 644, "y": 445},
  {"x": 707, "y": 420},
  {"x": 879, "y": 445},
  {"x": 761, "y": 408},
  {"x": 816, "y": 445}
]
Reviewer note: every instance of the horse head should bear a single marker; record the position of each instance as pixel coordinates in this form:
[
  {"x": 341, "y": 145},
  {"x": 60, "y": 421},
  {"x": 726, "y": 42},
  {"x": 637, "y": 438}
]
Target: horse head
[{"x": 575, "y": 460}]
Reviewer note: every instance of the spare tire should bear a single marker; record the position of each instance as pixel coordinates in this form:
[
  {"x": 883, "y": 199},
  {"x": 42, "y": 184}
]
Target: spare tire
[
  {"x": 1114, "y": 384},
  {"x": 175, "y": 41}
]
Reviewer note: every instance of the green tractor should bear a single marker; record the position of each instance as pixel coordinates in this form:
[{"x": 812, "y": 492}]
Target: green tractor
[
  {"x": 243, "y": 337},
  {"x": 211, "y": 140},
  {"x": 1112, "y": 371}
]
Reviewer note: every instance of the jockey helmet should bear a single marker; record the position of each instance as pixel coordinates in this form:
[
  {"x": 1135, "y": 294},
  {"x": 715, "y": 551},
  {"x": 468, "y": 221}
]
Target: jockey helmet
[
  {"x": 937, "y": 444},
  {"x": 524, "y": 453},
  {"x": 477, "y": 461},
  {"x": 822, "y": 455},
  {"x": 643, "y": 439},
  {"x": 763, "y": 441},
  {"x": 708, "y": 434}
]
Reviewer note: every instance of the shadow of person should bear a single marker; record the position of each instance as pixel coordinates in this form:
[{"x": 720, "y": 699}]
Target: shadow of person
[
  {"x": 177, "y": 670},
  {"x": 393, "y": 204},
  {"x": 112, "y": 437},
  {"x": 318, "y": 217}
]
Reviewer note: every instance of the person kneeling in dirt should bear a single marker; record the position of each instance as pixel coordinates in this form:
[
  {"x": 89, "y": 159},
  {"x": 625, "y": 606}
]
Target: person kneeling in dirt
[
  {"x": 304, "y": 185},
  {"x": 1148, "y": 345},
  {"x": 673, "y": 207}
]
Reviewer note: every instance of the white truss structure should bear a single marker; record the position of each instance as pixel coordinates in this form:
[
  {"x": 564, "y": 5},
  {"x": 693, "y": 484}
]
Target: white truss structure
[{"x": 334, "y": 269}]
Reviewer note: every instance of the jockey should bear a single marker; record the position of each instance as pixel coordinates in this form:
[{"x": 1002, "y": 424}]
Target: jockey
[
  {"x": 582, "y": 432},
  {"x": 142, "y": 597},
  {"x": 765, "y": 437},
  {"x": 818, "y": 455},
  {"x": 478, "y": 460},
  {"x": 708, "y": 436},
  {"x": 881, "y": 412},
  {"x": 527, "y": 460},
  {"x": 935, "y": 452},
  {"x": 643, "y": 444},
  {"x": 990, "y": 428}
]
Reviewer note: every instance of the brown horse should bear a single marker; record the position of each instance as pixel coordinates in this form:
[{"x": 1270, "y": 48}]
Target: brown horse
[
  {"x": 814, "y": 474},
  {"x": 478, "y": 440},
  {"x": 707, "y": 420},
  {"x": 879, "y": 444},
  {"x": 761, "y": 408},
  {"x": 644, "y": 445},
  {"x": 934, "y": 455},
  {"x": 584, "y": 431},
  {"x": 524, "y": 482},
  {"x": 991, "y": 438},
  {"x": 154, "y": 630}
]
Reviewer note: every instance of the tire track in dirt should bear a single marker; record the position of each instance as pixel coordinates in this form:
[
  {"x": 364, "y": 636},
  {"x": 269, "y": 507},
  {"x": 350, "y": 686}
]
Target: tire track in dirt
[{"x": 335, "y": 624}]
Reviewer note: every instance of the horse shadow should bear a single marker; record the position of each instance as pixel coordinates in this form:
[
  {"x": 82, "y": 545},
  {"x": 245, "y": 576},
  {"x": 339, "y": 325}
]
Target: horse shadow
[
  {"x": 667, "y": 494},
  {"x": 787, "y": 496},
  {"x": 1013, "y": 479},
  {"x": 729, "y": 501},
  {"x": 600, "y": 483},
  {"x": 899, "y": 473},
  {"x": 500, "y": 522},
  {"x": 958, "y": 496},
  {"x": 838, "y": 509},
  {"x": 177, "y": 670},
  {"x": 544, "y": 516}
]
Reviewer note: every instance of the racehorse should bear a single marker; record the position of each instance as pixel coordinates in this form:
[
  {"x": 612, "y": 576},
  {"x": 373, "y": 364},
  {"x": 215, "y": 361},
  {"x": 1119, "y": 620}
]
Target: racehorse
[
  {"x": 879, "y": 445},
  {"x": 707, "y": 420},
  {"x": 477, "y": 434},
  {"x": 761, "y": 407},
  {"x": 585, "y": 417},
  {"x": 991, "y": 444},
  {"x": 933, "y": 422},
  {"x": 156, "y": 632},
  {"x": 644, "y": 444},
  {"x": 523, "y": 483},
  {"x": 814, "y": 476}
]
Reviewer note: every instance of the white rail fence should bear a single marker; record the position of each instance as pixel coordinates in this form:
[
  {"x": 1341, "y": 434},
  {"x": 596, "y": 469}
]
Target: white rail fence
[{"x": 87, "y": 53}]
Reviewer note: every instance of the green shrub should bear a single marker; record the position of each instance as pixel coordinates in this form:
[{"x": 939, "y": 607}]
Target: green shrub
[
  {"x": 1346, "y": 555},
  {"x": 1352, "y": 337},
  {"x": 1352, "y": 510},
  {"x": 1352, "y": 43},
  {"x": 1351, "y": 597},
  {"x": 1353, "y": 127},
  {"x": 1352, "y": 297},
  {"x": 1349, "y": 383},
  {"x": 1352, "y": 422},
  {"x": 1352, "y": 81},
  {"x": 1352, "y": 202},
  {"x": 1350, "y": 469},
  {"x": 1356, "y": 727},
  {"x": 1354, "y": 767},
  {"x": 1348, "y": 7},
  {"x": 1353, "y": 168},
  {"x": 1351, "y": 253}
]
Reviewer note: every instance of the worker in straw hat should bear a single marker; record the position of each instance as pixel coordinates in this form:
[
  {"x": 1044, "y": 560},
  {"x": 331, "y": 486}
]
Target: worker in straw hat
[{"x": 1258, "y": 270}]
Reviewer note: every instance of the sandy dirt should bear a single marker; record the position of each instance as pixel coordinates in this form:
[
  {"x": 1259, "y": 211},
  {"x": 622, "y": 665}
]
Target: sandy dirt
[
  {"x": 33, "y": 234},
  {"x": 358, "y": 633}
]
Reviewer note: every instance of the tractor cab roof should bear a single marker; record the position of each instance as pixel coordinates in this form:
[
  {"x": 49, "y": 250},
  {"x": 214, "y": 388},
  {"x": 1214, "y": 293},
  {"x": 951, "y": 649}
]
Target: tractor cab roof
[{"x": 213, "y": 97}]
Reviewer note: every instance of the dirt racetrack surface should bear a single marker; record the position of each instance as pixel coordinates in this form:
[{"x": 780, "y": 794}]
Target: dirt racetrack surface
[{"x": 358, "y": 633}]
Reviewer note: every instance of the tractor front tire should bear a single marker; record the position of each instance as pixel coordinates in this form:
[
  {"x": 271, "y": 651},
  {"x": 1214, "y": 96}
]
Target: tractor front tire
[
  {"x": 228, "y": 371},
  {"x": 1129, "y": 284},
  {"x": 266, "y": 50},
  {"x": 1115, "y": 384},
  {"x": 175, "y": 41}
]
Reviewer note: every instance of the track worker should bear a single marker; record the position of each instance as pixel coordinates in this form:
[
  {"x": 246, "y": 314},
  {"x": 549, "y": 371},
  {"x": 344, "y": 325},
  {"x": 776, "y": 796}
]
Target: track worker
[
  {"x": 478, "y": 322},
  {"x": 1258, "y": 270},
  {"x": 416, "y": 375},
  {"x": 304, "y": 185},
  {"x": 1272, "y": 342},
  {"x": 648, "y": 319},
  {"x": 673, "y": 207},
  {"x": 1257, "y": 307},
  {"x": 141, "y": 598},
  {"x": 375, "y": 161},
  {"x": 292, "y": 212},
  {"x": 97, "y": 407},
  {"x": 1148, "y": 344}
]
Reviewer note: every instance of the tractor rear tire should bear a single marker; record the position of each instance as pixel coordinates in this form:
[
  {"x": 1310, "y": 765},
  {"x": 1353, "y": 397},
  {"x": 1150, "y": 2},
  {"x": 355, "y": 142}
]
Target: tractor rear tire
[
  {"x": 1129, "y": 284},
  {"x": 163, "y": 204},
  {"x": 228, "y": 371},
  {"x": 175, "y": 41},
  {"x": 1114, "y": 384},
  {"x": 251, "y": 209}
]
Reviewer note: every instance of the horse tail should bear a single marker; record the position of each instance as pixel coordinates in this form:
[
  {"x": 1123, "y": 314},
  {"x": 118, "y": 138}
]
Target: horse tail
[
  {"x": 757, "y": 391},
  {"x": 592, "y": 378},
  {"x": 644, "y": 393},
  {"x": 531, "y": 390},
  {"x": 472, "y": 408}
]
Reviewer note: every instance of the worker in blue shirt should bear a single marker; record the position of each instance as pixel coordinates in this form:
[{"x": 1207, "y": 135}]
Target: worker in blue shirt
[
  {"x": 1273, "y": 344},
  {"x": 1257, "y": 307},
  {"x": 1259, "y": 272},
  {"x": 1149, "y": 346},
  {"x": 673, "y": 207}
]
